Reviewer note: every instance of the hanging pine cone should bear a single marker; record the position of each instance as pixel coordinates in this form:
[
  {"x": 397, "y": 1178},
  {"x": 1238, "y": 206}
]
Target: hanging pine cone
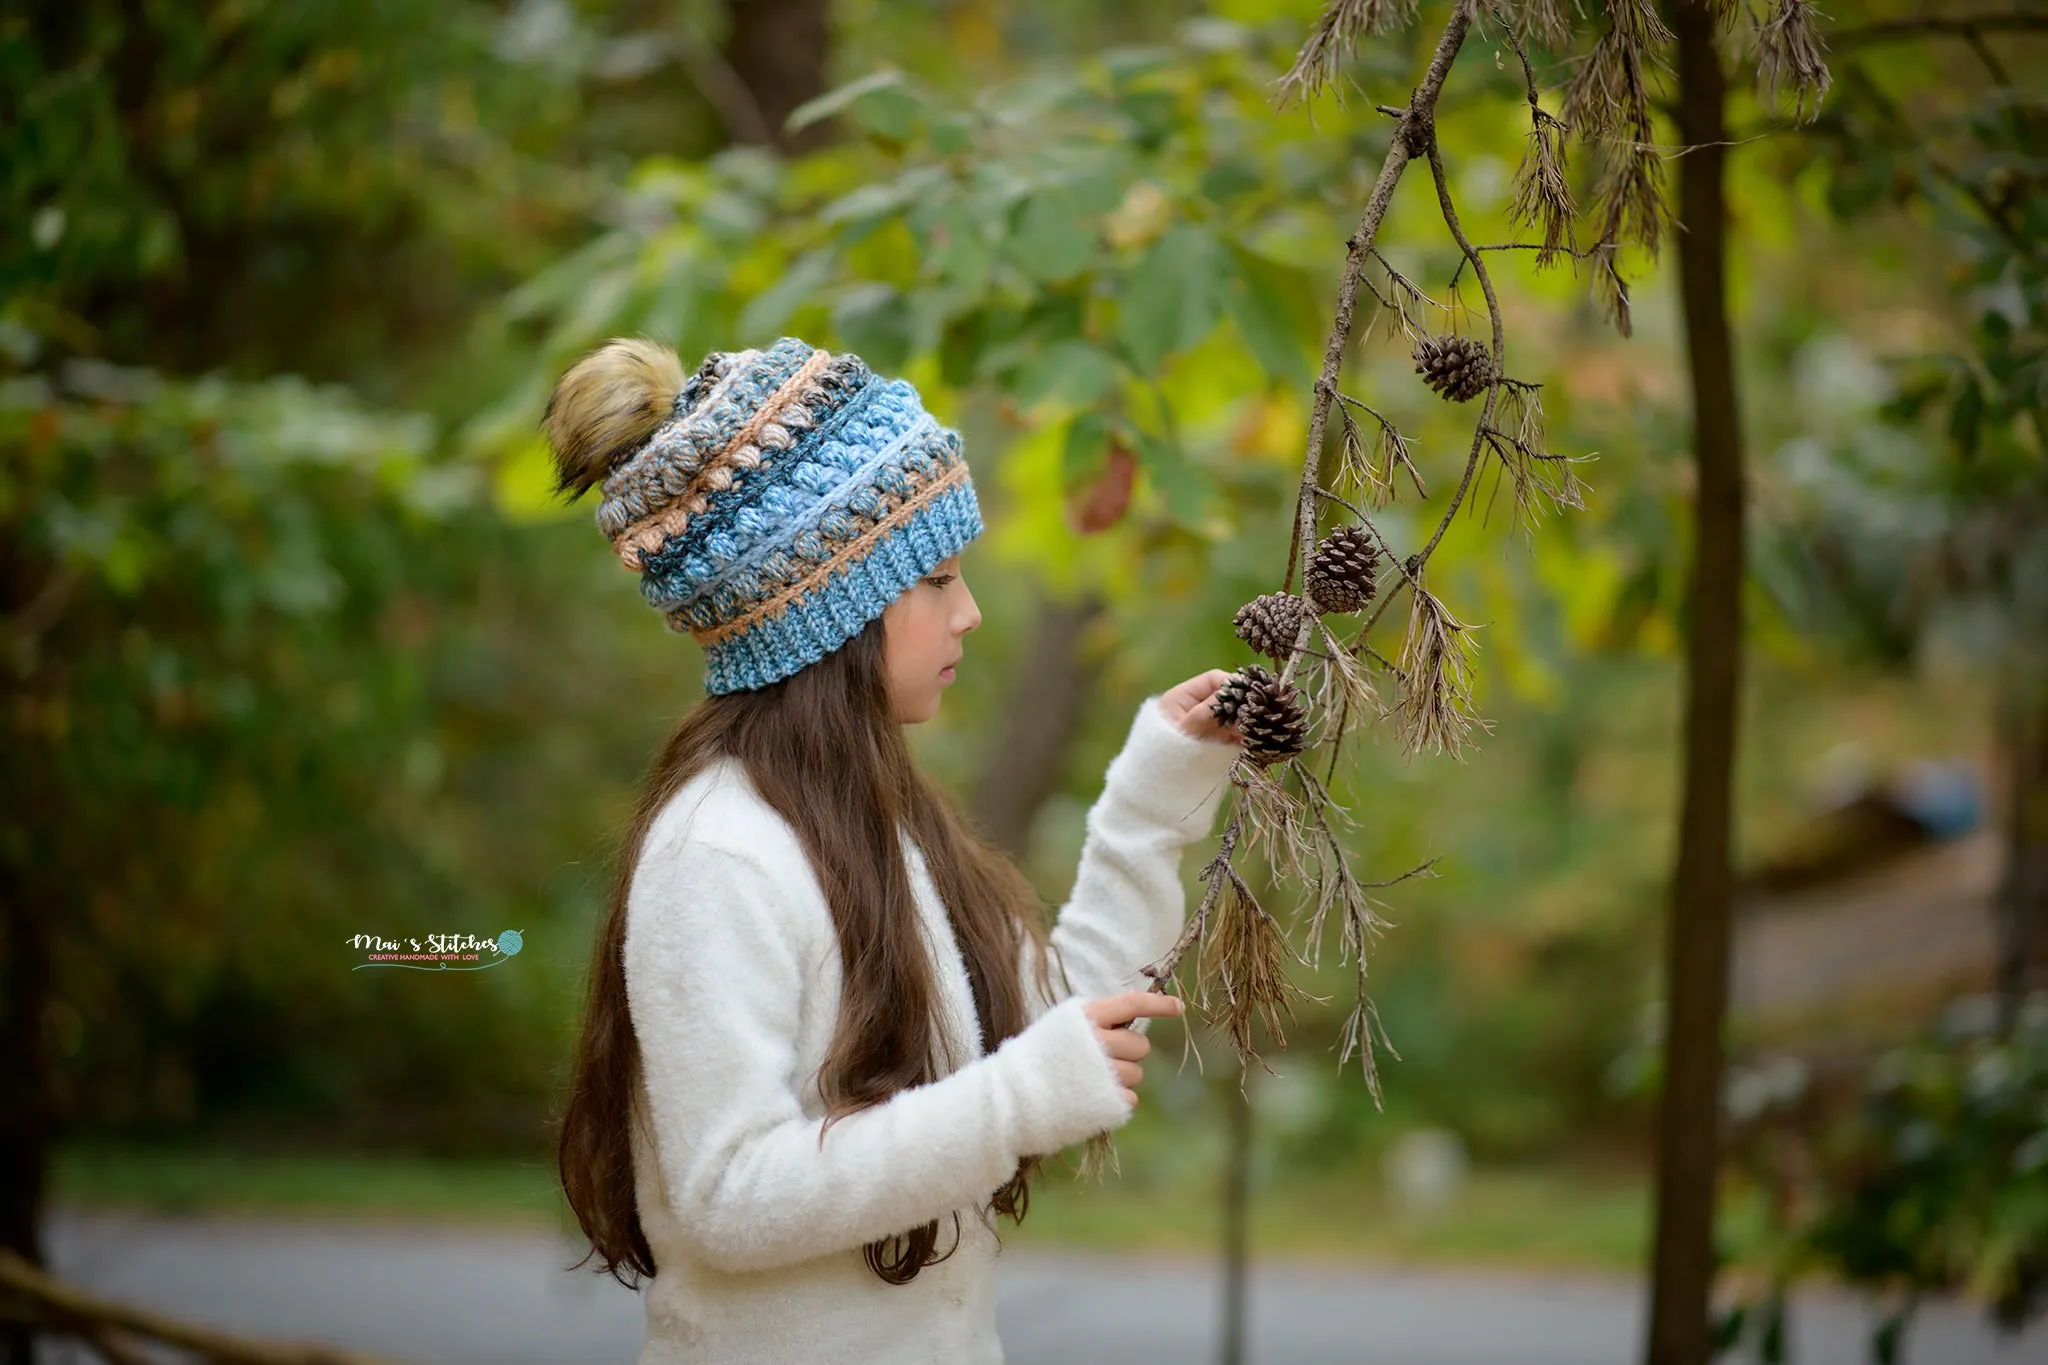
[
  {"x": 1272, "y": 721},
  {"x": 1269, "y": 623},
  {"x": 1456, "y": 367},
  {"x": 1341, "y": 573},
  {"x": 1230, "y": 697}
]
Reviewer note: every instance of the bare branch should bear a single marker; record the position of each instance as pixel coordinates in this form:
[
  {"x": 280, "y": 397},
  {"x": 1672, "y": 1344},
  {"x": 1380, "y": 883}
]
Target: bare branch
[
  {"x": 1543, "y": 23},
  {"x": 1450, "y": 214},
  {"x": 1166, "y": 968},
  {"x": 1950, "y": 26},
  {"x": 1407, "y": 138}
]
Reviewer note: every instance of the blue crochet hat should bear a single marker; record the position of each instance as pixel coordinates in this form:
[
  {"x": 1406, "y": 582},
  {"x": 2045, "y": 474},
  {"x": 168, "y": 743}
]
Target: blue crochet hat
[{"x": 773, "y": 503}]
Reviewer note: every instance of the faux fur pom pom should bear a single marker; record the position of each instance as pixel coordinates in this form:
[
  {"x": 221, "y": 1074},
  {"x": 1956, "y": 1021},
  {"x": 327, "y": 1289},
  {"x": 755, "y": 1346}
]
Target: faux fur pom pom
[{"x": 606, "y": 405}]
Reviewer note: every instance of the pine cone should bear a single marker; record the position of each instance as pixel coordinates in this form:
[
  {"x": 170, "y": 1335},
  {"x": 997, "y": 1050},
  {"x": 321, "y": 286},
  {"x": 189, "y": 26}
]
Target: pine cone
[
  {"x": 1272, "y": 721},
  {"x": 1230, "y": 697},
  {"x": 1456, "y": 367},
  {"x": 1269, "y": 623},
  {"x": 1341, "y": 573}
]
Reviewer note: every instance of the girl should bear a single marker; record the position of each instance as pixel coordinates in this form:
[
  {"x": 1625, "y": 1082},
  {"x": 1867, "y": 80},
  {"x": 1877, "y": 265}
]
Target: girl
[{"x": 827, "y": 1037}]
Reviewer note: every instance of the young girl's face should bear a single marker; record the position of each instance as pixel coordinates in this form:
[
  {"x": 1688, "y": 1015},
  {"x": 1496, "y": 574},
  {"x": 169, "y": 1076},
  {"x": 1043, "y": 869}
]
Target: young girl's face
[{"x": 923, "y": 632}]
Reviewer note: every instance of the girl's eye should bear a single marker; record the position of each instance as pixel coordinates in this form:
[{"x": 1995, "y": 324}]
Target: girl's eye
[{"x": 940, "y": 580}]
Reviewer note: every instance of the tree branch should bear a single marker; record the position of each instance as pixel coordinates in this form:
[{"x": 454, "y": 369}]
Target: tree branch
[
  {"x": 1966, "y": 27},
  {"x": 1408, "y": 138}
]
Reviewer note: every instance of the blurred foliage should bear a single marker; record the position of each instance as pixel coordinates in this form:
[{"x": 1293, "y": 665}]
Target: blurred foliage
[
  {"x": 1926, "y": 524},
  {"x": 268, "y": 691},
  {"x": 271, "y": 662},
  {"x": 1932, "y": 1181},
  {"x": 289, "y": 658}
]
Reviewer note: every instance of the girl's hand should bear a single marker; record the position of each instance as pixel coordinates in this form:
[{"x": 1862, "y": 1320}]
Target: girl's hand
[
  {"x": 1187, "y": 706},
  {"x": 1126, "y": 1047}
]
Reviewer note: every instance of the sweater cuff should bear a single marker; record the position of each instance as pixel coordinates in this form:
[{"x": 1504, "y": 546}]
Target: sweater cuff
[
  {"x": 1063, "y": 1085},
  {"x": 1167, "y": 777}
]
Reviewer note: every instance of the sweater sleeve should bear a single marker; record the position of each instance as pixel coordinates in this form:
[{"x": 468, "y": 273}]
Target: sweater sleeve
[
  {"x": 1127, "y": 905},
  {"x": 715, "y": 984}
]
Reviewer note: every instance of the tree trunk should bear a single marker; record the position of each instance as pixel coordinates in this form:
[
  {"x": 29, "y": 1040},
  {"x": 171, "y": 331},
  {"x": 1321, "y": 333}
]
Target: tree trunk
[
  {"x": 778, "y": 48},
  {"x": 1053, "y": 683},
  {"x": 2023, "y": 893},
  {"x": 27, "y": 964},
  {"x": 1696, "y": 966},
  {"x": 24, "y": 1090},
  {"x": 1237, "y": 1208}
]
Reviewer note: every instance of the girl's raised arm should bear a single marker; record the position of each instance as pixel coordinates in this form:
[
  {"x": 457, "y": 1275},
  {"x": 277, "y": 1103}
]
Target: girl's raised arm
[
  {"x": 714, "y": 960},
  {"x": 1128, "y": 905}
]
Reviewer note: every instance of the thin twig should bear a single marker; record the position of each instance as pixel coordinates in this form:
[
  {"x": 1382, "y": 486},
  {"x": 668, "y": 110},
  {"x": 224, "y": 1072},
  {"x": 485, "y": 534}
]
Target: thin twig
[
  {"x": 1408, "y": 137},
  {"x": 1450, "y": 212}
]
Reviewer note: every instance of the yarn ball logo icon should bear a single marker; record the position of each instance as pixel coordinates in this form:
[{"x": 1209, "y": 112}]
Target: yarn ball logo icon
[{"x": 436, "y": 952}]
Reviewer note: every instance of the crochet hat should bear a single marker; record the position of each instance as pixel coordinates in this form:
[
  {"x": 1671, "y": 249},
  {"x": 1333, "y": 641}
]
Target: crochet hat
[{"x": 773, "y": 503}]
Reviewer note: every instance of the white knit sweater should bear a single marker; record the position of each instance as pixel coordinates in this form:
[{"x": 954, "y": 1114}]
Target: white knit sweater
[{"x": 732, "y": 975}]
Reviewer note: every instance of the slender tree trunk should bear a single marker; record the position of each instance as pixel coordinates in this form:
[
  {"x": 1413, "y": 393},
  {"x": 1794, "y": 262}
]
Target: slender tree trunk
[
  {"x": 1696, "y": 967},
  {"x": 1051, "y": 688},
  {"x": 27, "y": 1102},
  {"x": 1237, "y": 1221},
  {"x": 24, "y": 1090},
  {"x": 778, "y": 49},
  {"x": 2022, "y": 910}
]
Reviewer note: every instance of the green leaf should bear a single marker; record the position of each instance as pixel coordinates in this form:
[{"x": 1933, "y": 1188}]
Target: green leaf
[
  {"x": 833, "y": 101},
  {"x": 877, "y": 199},
  {"x": 1086, "y": 447},
  {"x": 1170, "y": 299},
  {"x": 1183, "y": 487},
  {"x": 1261, "y": 295},
  {"x": 1966, "y": 418},
  {"x": 952, "y": 134},
  {"x": 1048, "y": 239},
  {"x": 1225, "y": 181},
  {"x": 1097, "y": 191},
  {"x": 956, "y": 246},
  {"x": 1153, "y": 115},
  {"x": 1071, "y": 371},
  {"x": 767, "y": 311},
  {"x": 891, "y": 113},
  {"x": 875, "y": 320},
  {"x": 961, "y": 347}
]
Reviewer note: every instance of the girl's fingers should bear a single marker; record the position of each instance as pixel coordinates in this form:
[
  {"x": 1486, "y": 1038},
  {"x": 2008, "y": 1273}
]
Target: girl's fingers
[
  {"x": 1117, "y": 1010},
  {"x": 1125, "y": 1045},
  {"x": 1129, "y": 1074}
]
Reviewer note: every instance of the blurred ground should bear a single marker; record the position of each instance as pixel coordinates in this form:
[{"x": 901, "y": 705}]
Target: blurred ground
[{"x": 463, "y": 1297}]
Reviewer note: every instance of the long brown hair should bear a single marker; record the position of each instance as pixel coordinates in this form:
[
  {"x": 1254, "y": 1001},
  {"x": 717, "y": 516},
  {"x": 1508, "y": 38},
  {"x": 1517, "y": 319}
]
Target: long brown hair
[{"x": 831, "y": 717}]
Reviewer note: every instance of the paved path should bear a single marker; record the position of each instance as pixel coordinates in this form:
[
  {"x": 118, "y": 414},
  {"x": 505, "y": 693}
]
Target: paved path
[{"x": 447, "y": 1297}]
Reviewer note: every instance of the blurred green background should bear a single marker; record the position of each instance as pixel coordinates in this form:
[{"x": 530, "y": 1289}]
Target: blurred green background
[{"x": 298, "y": 646}]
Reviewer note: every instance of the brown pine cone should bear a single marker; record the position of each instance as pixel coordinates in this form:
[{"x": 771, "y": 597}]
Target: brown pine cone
[
  {"x": 1269, "y": 623},
  {"x": 1342, "y": 574},
  {"x": 1230, "y": 697},
  {"x": 1458, "y": 368},
  {"x": 1272, "y": 721}
]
